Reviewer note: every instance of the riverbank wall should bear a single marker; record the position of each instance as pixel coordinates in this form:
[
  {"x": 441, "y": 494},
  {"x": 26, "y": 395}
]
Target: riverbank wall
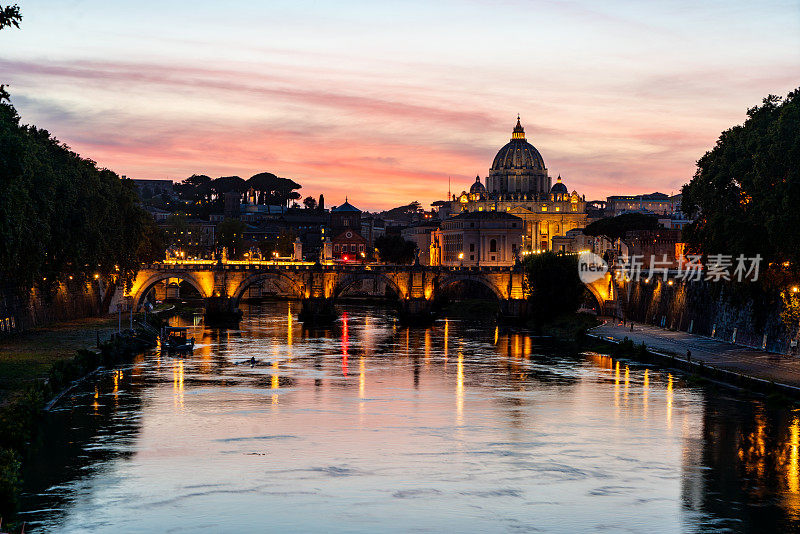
[
  {"x": 742, "y": 315},
  {"x": 627, "y": 349},
  {"x": 22, "y": 310}
]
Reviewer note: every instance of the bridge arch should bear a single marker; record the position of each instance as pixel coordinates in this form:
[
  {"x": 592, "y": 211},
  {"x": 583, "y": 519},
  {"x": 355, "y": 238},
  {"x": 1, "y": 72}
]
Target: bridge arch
[
  {"x": 297, "y": 288},
  {"x": 346, "y": 281},
  {"x": 454, "y": 278},
  {"x": 602, "y": 290},
  {"x": 141, "y": 290}
]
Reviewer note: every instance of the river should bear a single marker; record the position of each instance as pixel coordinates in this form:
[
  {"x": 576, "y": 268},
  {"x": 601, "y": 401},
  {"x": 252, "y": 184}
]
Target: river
[{"x": 370, "y": 426}]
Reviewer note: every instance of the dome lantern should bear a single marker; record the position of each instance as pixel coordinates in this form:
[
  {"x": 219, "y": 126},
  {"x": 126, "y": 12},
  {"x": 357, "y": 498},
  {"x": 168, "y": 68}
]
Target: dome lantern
[{"x": 519, "y": 131}]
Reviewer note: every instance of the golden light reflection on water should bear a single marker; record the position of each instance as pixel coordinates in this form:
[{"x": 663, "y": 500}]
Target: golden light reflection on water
[
  {"x": 446, "y": 338},
  {"x": 793, "y": 472},
  {"x": 627, "y": 383},
  {"x": 177, "y": 383},
  {"x": 427, "y": 346},
  {"x": 275, "y": 380},
  {"x": 645, "y": 392}
]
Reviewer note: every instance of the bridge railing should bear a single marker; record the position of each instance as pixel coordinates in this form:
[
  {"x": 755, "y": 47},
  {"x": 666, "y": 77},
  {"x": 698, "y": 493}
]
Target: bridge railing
[{"x": 203, "y": 265}]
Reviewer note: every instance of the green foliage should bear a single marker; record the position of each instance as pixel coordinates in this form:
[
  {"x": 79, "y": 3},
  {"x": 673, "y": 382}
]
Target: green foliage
[
  {"x": 62, "y": 216},
  {"x": 790, "y": 311},
  {"x": 10, "y": 481},
  {"x": 403, "y": 213},
  {"x": 273, "y": 190},
  {"x": 396, "y": 250},
  {"x": 230, "y": 234},
  {"x": 310, "y": 203},
  {"x": 10, "y": 16},
  {"x": 616, "y": 227},
  {"x": 746, "y": 190},
  {"x": 554, "y": 285}
]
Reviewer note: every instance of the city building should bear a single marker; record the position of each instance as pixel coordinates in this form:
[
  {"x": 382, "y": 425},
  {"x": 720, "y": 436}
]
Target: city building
[
  {"x": 657, "y": 203},
  {"x": 575, "y": 241},
  {"x": 345, "y": 216},
  {"x": 478, "y": 238},
  {"x": 348, "y": 243},
  {"x": 372, "y": 228},
  {"x": 420, "y": 233},
  {"x": 349, "y": 246},
  {"x": 194, "y": 236}
]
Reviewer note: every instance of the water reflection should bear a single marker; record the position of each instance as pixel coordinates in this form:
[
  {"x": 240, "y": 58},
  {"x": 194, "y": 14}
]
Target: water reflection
[{"x": 456, "y": 427}]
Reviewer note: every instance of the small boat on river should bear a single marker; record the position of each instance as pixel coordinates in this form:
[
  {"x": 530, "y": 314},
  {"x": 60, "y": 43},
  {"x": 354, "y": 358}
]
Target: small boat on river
[{"x": 174, "y": 339}]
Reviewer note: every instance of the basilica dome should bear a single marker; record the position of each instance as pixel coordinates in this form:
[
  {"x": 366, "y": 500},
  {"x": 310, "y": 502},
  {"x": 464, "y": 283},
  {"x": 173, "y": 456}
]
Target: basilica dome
[
  {"x": 518, "y": 154},
  {"x": 477, "y": 187},
  {"x": 559, "y": 188},
  {"x": 518, "y": 168}
]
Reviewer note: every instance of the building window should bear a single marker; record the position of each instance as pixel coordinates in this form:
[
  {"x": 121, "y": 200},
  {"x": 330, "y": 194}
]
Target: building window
[
  {"x": 544, "y": 208},
  {"x": 493, "y": 246},
  {"x": 352, "y": 248},
  {"x": 472, "y": 257},
  {"x": 336, "y": 248},
  {"x": 472, "y": 247}
]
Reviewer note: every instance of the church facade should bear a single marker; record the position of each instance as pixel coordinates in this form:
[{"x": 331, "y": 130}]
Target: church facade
[{"x": 519, "y": 184}]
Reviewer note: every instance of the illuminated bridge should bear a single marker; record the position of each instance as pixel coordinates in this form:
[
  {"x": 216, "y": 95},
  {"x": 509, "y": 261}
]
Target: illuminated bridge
[{"x": 223, "y": 284}]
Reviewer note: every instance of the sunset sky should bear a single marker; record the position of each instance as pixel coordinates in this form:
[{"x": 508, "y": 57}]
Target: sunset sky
[{"x": 382, "y": 101}]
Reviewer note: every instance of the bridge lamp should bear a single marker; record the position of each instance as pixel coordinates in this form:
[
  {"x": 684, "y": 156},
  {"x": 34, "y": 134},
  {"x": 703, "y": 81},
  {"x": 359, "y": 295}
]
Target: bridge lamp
[
  {"x": 96, "y": 276},
  {"x": 795, "y": 289}
]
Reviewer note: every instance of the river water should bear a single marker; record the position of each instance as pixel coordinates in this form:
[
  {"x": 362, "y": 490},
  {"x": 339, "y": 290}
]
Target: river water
[{"x": 369, "y": 426}]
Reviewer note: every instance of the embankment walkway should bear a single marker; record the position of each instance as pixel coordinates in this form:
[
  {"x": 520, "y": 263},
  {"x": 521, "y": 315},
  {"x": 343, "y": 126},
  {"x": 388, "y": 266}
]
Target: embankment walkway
[{"x": 760, "y": 365}]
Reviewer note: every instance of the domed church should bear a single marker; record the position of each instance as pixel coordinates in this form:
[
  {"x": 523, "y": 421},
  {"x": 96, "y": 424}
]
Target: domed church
[
  {"x": 518, "y": 167},
  {"x": 519, "y": 184}
]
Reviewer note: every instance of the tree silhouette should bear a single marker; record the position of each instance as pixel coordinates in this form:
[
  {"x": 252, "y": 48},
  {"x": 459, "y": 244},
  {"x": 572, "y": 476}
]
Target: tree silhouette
[{"x": 9, "y": 16}]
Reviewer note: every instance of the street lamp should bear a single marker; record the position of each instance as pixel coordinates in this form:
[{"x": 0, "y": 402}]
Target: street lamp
[{"x": 461, "y": 259}]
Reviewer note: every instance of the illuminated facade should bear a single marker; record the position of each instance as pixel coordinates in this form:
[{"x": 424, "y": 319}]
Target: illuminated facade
[
  {"x": 478, "y": 238},
  {"x": 518, "y": 184}
]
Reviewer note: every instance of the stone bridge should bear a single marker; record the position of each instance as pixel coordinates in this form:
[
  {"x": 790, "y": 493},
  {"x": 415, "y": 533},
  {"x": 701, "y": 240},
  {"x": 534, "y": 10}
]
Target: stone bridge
[{"x": 223, "y": 285}]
